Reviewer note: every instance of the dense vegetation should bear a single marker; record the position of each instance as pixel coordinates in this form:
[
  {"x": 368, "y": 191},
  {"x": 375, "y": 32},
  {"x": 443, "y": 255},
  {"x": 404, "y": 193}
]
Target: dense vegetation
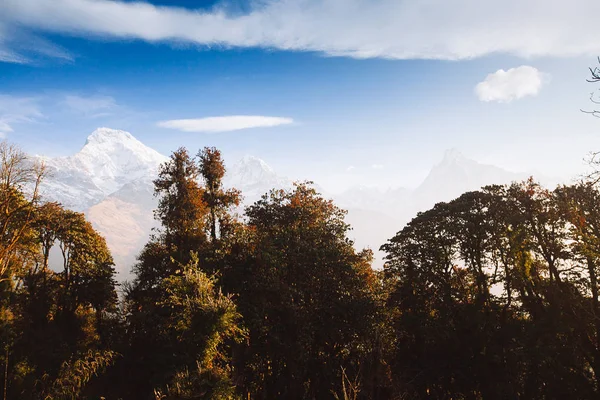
[{"x": 493, "y": 295}]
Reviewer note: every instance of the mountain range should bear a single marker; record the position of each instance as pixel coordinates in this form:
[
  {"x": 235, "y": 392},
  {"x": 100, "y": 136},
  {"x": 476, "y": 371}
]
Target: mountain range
[{"x": 110, "y": 180}]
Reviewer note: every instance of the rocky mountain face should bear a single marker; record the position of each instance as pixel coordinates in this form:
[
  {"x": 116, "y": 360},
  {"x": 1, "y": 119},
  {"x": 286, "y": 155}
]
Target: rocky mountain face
[{"x": 110, "y": 180}]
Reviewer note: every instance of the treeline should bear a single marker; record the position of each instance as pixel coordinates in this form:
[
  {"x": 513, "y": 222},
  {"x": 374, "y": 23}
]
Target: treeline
[{"x": 493, "y": 295}]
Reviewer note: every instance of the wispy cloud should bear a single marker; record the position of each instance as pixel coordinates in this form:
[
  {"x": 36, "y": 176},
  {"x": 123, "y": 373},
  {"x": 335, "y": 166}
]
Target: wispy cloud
[
  {"x": 350, "y": 168},
  {"x": 396, "y": 29},
  {"x": 224, "y": 123},
  {"x": 21, "y": 47},
  {"x": 90, "y": 106},
  {"x": 377, "y": 166},
  {"x": 505, "y": 86},
  {"x": 16, "y": 110}
]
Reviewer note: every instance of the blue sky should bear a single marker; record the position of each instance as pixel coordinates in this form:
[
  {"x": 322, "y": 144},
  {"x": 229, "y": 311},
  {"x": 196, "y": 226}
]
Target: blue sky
[{"x": 358, "y": 92}]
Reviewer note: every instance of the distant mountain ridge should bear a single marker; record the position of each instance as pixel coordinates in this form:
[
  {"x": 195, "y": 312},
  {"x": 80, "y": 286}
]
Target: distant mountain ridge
[
  {"x": 456, "y": 174},
  {"x": 110, "y": 179}
]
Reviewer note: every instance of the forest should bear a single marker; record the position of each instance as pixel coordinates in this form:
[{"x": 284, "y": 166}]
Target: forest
[{"x": 493, "y": 295}]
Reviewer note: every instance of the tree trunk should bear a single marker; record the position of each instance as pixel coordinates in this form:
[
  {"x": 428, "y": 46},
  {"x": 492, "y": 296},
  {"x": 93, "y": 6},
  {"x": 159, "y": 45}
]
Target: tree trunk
[{"x": 5, "y": 375}]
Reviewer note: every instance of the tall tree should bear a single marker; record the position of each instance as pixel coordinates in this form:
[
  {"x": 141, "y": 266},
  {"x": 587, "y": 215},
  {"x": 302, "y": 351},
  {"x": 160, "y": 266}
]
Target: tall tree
[
  {"x": 219, "y": 200},
  {"x": 179, "y": 324},
  {"x": 308, "y": 299},
  {"x": 182, "y": 214},
  {"x": 181, "y": 208},
  {"x": 19, "y": 194}
]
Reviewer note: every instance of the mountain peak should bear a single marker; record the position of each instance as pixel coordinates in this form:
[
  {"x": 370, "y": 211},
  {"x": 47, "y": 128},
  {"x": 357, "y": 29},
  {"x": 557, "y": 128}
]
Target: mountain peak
[
  {"x": 254, "y": 177},
  {"x": 104, "y": 134},
  {"x": 254, "y": 163},
  {"x": 453, "y": 156},
  {"x": 118, "y": 145},
  {"x": 109, "y": 159}
]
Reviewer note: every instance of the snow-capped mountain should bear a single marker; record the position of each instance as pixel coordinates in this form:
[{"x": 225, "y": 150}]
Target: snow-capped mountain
[
  {"x": 109, "y": 160},
  {"x": 254, "y": 177},
  {"x": 110, "y": 180}
]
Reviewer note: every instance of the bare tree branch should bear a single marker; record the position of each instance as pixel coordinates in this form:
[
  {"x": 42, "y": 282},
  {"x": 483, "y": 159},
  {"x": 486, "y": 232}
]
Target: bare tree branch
[
  {"x": 594, "y": 78},
  {"x": 595, "y": 73},
  {"x": 593, "y": 160}
]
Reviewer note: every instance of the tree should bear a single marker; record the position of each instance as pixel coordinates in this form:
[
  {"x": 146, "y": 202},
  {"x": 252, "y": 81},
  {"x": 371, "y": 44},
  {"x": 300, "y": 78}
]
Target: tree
[
  {"x": 178, "y": 323},
  {"x": 19, "y": 194},
  {"x": 490, "y": 296},
  {"x": 181, "y": 208},
  {"x": 218, "y": 200},
  {"x": 20, "y": 180},
  {"x": 182, "y": 214},
  {"x": 201, "y": 323},
  {"x": 46, "y": 317},
  {"x": 593, "y": 158},
  {"x": 594, "y": 78},
  {"x": 308, "y": 298}
]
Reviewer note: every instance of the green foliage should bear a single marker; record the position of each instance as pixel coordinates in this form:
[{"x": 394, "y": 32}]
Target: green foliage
[
  {"x": 493, "y": 295},
  {"x": 75, "y": 374},
  {"x": 203, "y": 321},
  {"x": 307, "y": 297},
  {"x": 48, "y": 316},
  {"x": 218, "y": 200},
  {"x": 179, "y": 322},
  {"x": 181, "y": 209}
]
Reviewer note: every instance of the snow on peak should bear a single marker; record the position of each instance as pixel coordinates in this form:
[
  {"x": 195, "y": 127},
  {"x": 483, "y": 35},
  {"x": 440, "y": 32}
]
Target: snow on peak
[
  {"x": 109, "y": 160},
  {"x": 254, "y": 177},
  {"x": 251, "y": 170},
  {"x": 118, "y": 149},
  {"x": 103, "y": 135},
  {"x": 113, "y": 157},
  {"x": 454, "y": 156}
]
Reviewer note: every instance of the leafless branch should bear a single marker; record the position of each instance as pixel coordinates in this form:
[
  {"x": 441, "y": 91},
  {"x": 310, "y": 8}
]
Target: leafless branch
[
  {"x": 594, "y": 78},
  {"x": 595, "y": 73}
]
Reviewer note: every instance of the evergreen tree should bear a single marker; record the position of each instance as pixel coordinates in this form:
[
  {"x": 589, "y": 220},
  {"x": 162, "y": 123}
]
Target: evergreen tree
[
  {"x": 179, "y": 325},
  {"x": 219, "y": 200},
  {"x": 308, "y": 299}
]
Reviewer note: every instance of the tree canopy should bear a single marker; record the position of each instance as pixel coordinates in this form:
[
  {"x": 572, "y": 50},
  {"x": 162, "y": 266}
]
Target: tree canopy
[{"x": 492, "y": 295}]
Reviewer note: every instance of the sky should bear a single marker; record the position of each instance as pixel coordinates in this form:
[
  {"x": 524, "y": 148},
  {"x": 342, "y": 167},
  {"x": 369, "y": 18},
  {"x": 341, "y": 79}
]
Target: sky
[{"x": 341, "y": 92}]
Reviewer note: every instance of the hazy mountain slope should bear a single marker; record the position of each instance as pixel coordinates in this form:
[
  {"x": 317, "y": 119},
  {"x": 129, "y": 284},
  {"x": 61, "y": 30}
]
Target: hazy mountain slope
[
  {"x": 371, "y": 229},
  {"x": 126, "y": 218},
  {"x": 456, "y": 174}
]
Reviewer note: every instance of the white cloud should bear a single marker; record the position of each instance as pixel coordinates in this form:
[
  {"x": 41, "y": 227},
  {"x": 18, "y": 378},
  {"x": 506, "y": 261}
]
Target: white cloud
[
  {"x": 9, "y": 56},
  {"x": 5, "y": 128},
  {"x": 92, "y": 106},
  {"x": 21, "y": 47},
  {"x": 505, "y": 86},
  {"x": 397, "y": 29},
  {"x": 350, "y": 168},
  {"x": 377, "y": 166},
  {"x": 225, "y": 123},
  {"x": 16, "y": 110}
]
